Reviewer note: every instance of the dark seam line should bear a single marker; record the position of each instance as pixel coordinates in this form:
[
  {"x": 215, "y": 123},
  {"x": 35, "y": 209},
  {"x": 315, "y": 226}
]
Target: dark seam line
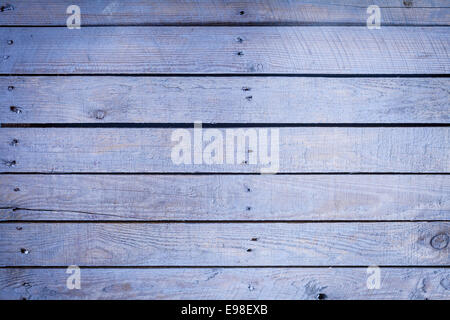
[
  {"x": 239, "y": 24},
  {"x": 222, "y": 173},
  {"x": 235, "y": 74},
  {"x": 233, "y": 267},
  {"x": 208, "y": 221}
]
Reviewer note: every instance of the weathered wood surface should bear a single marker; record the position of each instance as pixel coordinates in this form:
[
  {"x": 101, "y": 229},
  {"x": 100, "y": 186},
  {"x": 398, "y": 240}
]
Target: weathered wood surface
[
  {"x": 224, "y": 100},
  {"x": 234, "y": 12},
  {"x": 226, "y": 197},
  {"x": 209, "y": 50},
  {"x": 225, "y": 244},
  {"x": 415, "y": 149},
  {"x": 220, "y": 283}
]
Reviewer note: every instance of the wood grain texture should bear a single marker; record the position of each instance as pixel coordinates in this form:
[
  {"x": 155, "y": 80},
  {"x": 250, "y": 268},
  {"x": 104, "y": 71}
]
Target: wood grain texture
[
  {"x": 210, "y": 50},
  {"x": 236, "y": 12},
  {"x": 224, "y": 100},
  {"x": 416, "y": 149},
  {"x": 225, "y": 244},
  {"x": 224, "y": 197},
  {"x": 220, "y": 283}
]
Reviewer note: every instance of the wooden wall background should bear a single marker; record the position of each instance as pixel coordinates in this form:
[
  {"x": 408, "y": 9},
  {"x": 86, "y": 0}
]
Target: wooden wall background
[{"x": 86, "y": 176}]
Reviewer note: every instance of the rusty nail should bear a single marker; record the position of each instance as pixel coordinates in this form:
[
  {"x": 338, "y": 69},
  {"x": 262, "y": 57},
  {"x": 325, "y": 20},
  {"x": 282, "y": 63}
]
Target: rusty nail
[
  {"x": 15, "y": 109},
  {"x": 6, "y": 7},
  {"x": 100, "y": 114},
  {"x": 10, "y": 163},
  {"x": 321, "y": 296}
]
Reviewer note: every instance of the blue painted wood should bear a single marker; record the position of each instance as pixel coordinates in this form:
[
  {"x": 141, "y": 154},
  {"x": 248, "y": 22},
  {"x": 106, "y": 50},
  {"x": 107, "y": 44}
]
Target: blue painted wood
[
  {"x": 224, "y": 197},
  {"x": 230, "y": 12},
  {"x": 224, "y": 100},
  {"x": 227, "y": 50},
  {"x": 225, "y": 283},
  {"x": 301, "y": 150},
  {"x": 225, "y": 244},
  {"x": 331, "y": 44}
]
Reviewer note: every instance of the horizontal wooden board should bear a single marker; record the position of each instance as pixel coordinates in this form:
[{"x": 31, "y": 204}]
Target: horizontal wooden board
[
  {"x": 225, "y": 244},
  {"x": 210, "y": 50},
  {"x": 311, "y": 149},
  {"x": 224, "y": 197},
  {"x": 224, "y": 100},
  {"x": 220, "y": 283},
  {"x": 240, "y": 12}
]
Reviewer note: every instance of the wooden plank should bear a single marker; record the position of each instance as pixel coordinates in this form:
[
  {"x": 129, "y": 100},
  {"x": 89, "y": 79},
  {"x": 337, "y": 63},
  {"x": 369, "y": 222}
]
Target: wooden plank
[
  {"x": 210, "y": 50},
  {"x": 225, "y": 197},
  {"x": 224, "y": 100},
  {"x": 225, "y": 244},
  {"x": 220, "y": 283},
  {"x": 236, "y": 12},
  {"x": 310, "y": 149}
]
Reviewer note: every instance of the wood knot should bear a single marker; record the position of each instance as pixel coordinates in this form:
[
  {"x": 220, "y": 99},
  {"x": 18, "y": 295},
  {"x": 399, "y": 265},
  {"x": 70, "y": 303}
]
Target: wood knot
[
  {"x": 408, "y": 3},
  {"x": 241, "y": 13},
  {"x": 250, "y": 287},
  {"x": 14, "y": 142},
  {"x": 258, "y": 67},
  {"x": 240, "y": 53},
  {"x": 239, "y": 39},
  {"x": 16, "y": 189},
  {"x": 254, "y": 239},
  {"x": 5, "y": 57},
  {"x": 6, "y": 7},
  {"x": 248, "y": 208},
  {"x": 15, "y": 109},
  {"x": 10, "y": 42},
  {"x": 10, "y": 88},
  {"x": 445, "y": 283},
  {"x": 439, "y": 241},
  {"x": 249, "y": 250},
  {"x": 246, "y": 89},
  {"x": 321, "y": 296},
  {"x": 99, "y": 114},
  {"x": 249, "y": 98},
  {"x": 18, "y": 228},
  {"x": 24, "y": 251}
]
